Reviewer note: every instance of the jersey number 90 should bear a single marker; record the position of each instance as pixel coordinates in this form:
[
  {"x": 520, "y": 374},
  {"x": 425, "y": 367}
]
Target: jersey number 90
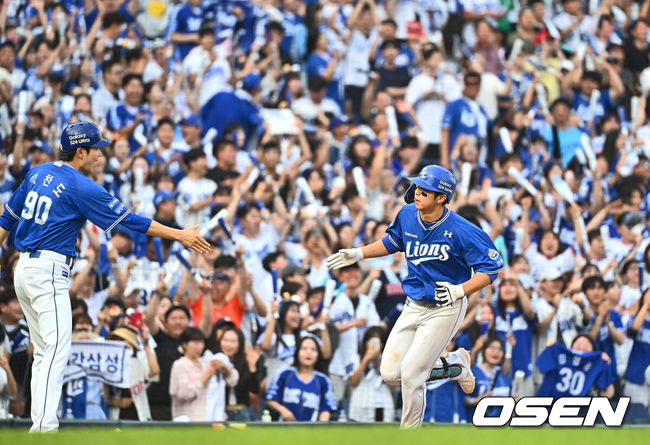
[{"x": 37, "y": 207}]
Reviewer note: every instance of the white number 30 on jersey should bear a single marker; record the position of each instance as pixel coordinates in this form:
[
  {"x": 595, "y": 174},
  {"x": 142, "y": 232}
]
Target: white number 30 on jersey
[{"x": 37, "y": 207}]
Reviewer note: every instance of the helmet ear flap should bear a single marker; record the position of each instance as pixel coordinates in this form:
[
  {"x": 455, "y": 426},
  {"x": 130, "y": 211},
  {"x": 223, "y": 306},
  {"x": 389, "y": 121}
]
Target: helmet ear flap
[{"x": 409, "y": 196}]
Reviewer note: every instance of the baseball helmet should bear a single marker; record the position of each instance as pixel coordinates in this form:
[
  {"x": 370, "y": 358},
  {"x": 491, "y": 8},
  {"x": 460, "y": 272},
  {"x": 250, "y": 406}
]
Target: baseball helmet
[
  {"x": 82, "y": 134},
  {"x": 434, "y": 178}
]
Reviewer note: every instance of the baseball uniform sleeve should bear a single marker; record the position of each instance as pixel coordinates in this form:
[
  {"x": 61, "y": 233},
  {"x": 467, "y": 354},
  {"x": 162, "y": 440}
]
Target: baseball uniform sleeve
[
  {"x": 546, "y": 361},
  {"x": 481, "y": 254},
  {"x": 277, "y": 386},
  {"x": 448, "y": 116},
  {"x": 393, "y": 240},
  {"x": 13, "y": 208},
  {"x": 97, "y": 205},
  {"x": 606, "y": 377},
  {"x": 327, "y": 399}
]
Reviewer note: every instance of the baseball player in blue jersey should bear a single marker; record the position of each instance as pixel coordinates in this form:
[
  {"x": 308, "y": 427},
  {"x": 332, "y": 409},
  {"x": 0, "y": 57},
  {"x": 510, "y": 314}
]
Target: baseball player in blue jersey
[
  {"x": 448, "y": 258},
  {"x": 46, "y": 213}
]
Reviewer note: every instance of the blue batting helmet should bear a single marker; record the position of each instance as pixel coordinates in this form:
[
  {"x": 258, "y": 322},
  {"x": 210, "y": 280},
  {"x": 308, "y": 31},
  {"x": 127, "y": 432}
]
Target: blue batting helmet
[
  {"x": 434, "y": 178},
  {"x": 82, "y": 134}
]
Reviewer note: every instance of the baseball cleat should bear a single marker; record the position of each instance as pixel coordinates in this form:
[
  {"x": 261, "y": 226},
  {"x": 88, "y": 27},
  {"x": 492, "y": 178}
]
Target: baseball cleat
[{"x": 466, "y": 378}]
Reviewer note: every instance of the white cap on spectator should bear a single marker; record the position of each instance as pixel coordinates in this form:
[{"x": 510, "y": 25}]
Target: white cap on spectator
[{"x": 550, "y": 273}]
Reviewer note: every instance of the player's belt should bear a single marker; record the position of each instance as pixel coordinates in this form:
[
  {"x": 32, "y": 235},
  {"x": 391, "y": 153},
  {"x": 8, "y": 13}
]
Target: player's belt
[{"x": 51, "y": 255}]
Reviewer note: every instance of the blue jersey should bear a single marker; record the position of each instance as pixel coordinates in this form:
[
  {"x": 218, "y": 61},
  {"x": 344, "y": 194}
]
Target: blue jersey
[
  {"x": 572, "y": 373},
  {"x": 604, "y": 341},
  {"x": 445, "y": 402},
  {"x": 304, "y": 399},
  {"x": 639, "y": 355},
  {"x": 121, "y": 115},
  {"x": 523, "y": 330},
  {"x": 604, "y": 105},
  {"x": 569, "y": 139},
  {"x": 450, "y": 249},
  {"x": 498, "y": 383},
  {"x": 316, "y": 66},
  {"x": 52, "y": 205},
  {"x": 186, "y": 20},
  {"x": 465, "y": 117}
]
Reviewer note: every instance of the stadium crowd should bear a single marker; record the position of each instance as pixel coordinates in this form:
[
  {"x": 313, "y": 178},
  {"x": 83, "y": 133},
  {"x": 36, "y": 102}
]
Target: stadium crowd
[{"x": 295, "y": 125}]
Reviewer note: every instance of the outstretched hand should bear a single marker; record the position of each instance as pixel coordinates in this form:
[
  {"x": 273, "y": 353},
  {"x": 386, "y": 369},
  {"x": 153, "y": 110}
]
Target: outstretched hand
[
  {"x": 344, "y": 257},
  {"x": 191, "y": 239}
]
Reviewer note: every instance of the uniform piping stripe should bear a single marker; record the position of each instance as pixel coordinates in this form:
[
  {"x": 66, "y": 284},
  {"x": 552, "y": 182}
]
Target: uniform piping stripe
[
  {"x": 117, "y": 221},
  {"x": 11, "y": 212},
  {"x": 489, "y": 271},
  {"x": 436, "y": 224},
  {"x": 392, "y": 242},
  {"x": 47, "y": 381}
]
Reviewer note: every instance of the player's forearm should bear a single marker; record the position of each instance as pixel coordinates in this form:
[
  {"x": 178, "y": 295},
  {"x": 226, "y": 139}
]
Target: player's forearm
[
  {"x": 617, "y": 336},
  {"x": 374, "y": 250},
  {"x": 3, "y": 236},
  {"x": 476, "y": 283},
  {"x": 178, "y": 37},
  {"x": 162, "y": 231}
]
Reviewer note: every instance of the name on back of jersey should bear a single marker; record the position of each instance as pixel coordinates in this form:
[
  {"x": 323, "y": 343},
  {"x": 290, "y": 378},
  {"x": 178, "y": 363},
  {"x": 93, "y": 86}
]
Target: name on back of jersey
[{"x": 418, "y": 253}]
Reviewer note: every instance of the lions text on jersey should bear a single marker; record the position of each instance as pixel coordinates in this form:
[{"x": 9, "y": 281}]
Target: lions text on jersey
[{"x": 450, "y": 249}]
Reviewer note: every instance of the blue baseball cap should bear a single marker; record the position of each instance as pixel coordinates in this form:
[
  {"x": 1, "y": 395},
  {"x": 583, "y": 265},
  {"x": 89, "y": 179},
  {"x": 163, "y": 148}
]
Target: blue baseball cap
[
  {"x": 162, "y": 196},
  {"x": 337, "y": 121},
  {"x": 193, "y": 121},
  {"x": 251, "y": 81},
  {"x": 82, "y": 134},
  {"x": 221, "y": 276},
  {"x": 39, "y": 145},
  {"x": 434, "y": 178}
]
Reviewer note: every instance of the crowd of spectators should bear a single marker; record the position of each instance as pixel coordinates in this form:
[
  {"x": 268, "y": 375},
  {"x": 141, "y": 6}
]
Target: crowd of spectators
[{"x": 298, "y": 123}]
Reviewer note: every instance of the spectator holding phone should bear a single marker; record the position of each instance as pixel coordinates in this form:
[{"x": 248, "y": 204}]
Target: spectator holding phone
[
  {"x": 371, "y": 399},
  {"x": 190, "y": 378}
]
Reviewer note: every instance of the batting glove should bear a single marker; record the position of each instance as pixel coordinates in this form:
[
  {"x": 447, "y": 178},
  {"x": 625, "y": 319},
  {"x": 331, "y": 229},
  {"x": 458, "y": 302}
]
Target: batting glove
[
  {"x": 447, "y": 293},
  {"x": 344, "y": 257}
]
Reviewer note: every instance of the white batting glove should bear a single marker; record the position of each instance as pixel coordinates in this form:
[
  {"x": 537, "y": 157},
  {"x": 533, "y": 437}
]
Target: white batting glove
[
  {"x": 344, "y": 257},
  {"x": 447, "y": 293}
]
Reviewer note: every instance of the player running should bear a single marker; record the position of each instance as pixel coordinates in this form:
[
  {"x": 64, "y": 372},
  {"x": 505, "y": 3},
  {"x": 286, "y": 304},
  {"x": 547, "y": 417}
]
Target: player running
[
  {"x": 448, "y": 258},
  {"x": 46, "y": 213}
]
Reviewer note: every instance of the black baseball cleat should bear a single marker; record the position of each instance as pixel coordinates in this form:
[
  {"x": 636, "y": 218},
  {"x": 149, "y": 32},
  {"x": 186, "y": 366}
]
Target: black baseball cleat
[{"x": 447, "y": 371}]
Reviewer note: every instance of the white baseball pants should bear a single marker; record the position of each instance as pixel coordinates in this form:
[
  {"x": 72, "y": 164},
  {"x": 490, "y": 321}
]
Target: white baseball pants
[
  {"x": 42, "y": 289},
  {"x": 413, "y": 348}
]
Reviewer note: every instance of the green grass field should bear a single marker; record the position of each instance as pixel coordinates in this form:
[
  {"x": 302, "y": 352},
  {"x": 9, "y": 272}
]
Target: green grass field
[{"x": 328, "y": 435}]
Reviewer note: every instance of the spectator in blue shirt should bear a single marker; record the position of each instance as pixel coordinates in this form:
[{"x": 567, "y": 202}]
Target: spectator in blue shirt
[
  {"x": 46, "y": 56},
  {"x": 515, "y": 326},
  {"x": 464, "y": 116},
  {"x": 575, "y": 372},
  {"x": 491, "y": 379},
  {"x": 125, "y": 116},
  {"x": 302, "y": 393},
  {"x": 184, "y": 28},
  {"x": 605, "y": 326},
  {"x": 325, "y": 63},
  {"x": 639, "y": 361},
  {"x": 563, "y": 138},
  {"x": 590, "y": 82}
]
